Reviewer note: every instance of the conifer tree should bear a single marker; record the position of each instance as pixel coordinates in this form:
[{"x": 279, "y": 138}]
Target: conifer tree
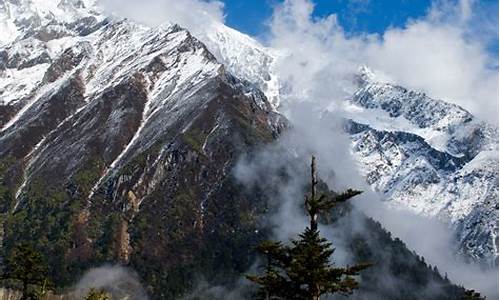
[
  {"x": 472, "y": 295},
  {"x": 95, "y": 294},
  {"x": 304, "y": 269},
  {"x": 28, "y": 267}
]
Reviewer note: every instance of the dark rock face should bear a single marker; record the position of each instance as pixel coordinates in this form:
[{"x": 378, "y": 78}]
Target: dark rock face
[
  {"x": 122, "y": 152},
  {"x": 209, "y": 225},
  {"x": 93, "y": 134},
  {"x": 7, "y": 112},
  {"x": 66, "y": 62},
  {"x": 14, "y": 58},
  {"x": 19, "y": 140},
  {"x": 430, "y": 157},
  {"x": 42, "y": 117},
  {"x": 136, "y": 170},
  {"x": 173, "y": 203}
]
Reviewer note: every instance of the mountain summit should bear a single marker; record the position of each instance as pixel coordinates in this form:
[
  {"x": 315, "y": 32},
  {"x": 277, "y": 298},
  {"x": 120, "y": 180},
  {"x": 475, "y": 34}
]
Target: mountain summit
[
  {"x": 430, "y": 157},
  {"x": 118, "y": 143}
]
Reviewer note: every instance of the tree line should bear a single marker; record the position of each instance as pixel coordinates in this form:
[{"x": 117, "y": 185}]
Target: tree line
[{"x": 303, "y": 269}]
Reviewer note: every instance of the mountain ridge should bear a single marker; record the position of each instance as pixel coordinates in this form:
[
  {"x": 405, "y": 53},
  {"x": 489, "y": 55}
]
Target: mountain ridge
[
  {"x": 430, "y": 157},
  {"x": 118, "y": 140}
]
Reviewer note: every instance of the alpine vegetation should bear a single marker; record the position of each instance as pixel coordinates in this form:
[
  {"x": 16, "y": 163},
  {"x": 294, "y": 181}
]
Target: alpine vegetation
[
  {"x": 304, "y": 270},
  {"x": 147, "y": 149}
]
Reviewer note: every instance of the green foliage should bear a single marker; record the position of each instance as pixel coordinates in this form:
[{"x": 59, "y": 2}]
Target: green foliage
[
  {"x": 27, "y": 267},
  {"x": 472, "y": 295},
  {"x": 86, "y": 178},
  {"x": 195, "y": 139},
  {"x": 46, "y": 218},
  {"x": 304, "y": 269},
  {"x": 95, "y": 294},
  {"x": 6, "y": 193}
]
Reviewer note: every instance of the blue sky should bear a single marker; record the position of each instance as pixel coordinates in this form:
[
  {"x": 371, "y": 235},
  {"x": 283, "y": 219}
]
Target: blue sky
[
  {"x": 355, "y": 16},
  {"x": 450, "y": 50}
]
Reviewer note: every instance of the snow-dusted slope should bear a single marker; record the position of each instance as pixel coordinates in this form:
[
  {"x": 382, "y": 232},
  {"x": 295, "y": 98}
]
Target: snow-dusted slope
[
  {"x": 117, "y": 141},
  {"x": 426, "y": 155},
  {"x": 20, "y": 19},
  {"x": 244, "y": 57},
  {"x": 430, "y": 157},
  {"x": 45, "y": 28},
  {"x": 33, "y": 34}
]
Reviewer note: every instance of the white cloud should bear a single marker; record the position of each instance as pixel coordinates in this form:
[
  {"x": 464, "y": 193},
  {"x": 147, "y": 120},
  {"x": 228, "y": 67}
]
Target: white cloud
[
  {"x": 191, "y": 14},
  {"x": 319, "y": 58},
  {"x": 438, "y": 55},
  {"x": 443, "y": 54}
]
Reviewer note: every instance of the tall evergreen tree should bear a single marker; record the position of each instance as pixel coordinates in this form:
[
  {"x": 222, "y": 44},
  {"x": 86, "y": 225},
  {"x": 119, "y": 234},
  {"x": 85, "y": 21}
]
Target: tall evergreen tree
[
  {"x": 28, "y": 267},
  {"x": 95, "y": 294},
  {"x": 304, "y": 269},
  {"x": 472, "y": 295}
]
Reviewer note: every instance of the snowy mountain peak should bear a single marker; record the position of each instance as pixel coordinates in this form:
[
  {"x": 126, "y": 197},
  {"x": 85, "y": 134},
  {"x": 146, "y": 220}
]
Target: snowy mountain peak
[
  {"x": 423, "y": 154},
  {"x": 428, "y": 156},
  {"x": 19, "y": 18},
  {"x": 244, "y": 57},
  {"x": 241, "y": 55},
  {"x": 365, "y": 74}
]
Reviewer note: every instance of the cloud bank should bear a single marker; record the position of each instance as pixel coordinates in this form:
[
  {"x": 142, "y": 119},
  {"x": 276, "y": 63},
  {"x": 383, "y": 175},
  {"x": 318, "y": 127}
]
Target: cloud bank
[
  {"x": 441, "y": 54},
  {"x": 191, "y": 14},
  {"x": 445, "y": 54},
  {"x": 118, "y": 281}
]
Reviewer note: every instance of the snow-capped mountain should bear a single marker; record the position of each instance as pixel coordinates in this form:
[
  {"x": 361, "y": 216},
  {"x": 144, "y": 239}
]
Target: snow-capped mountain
[
  {"x": 132, "y": 131},
  {"x": 245, "y": 58},
  {"x": 117, "y": 141},
  {"x": 46, "y": 20},
  {"x": 45, "y": 28},
  {"x": 431, "y": 157}
]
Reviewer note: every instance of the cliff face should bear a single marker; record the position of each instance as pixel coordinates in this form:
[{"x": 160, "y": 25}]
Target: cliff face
[
  {"x": 118, "y": 144},
  {"x": 430, "y": 157},
  {"x": 122, "y": 151}
]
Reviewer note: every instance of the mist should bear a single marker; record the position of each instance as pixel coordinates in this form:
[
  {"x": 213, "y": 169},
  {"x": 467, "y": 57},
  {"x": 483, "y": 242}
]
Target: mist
[
  {"x": 444, "y": 53},
  {"x": 119, "y": 282},
  {"x": 440, "y": 54},
  {"x": 324, "y": 138},
  {"x": 316, "y": 77},
  {"x": 204, "y": 290},
  {"x": 194, "y": 15},
  {"x": 435, "y": 241}
]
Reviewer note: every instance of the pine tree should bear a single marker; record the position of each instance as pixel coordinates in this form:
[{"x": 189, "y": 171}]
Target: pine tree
[
  {"x": 472, "y": 295},
  {"x": 304, "y": 269},
  {"x": 29, "y": 268},
  {"x": 95, "y": 294}
]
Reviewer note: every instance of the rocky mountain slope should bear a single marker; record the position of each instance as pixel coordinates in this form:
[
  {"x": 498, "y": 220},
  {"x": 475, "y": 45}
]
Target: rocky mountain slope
[
  {"x": 431, "y": 157},
  {"x": 117, "y": 143},
  {"x": 445, "y": 160}
]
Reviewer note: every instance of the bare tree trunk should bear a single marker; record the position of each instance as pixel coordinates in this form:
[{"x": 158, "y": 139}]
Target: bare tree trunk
[
  {"x": 25, "y": 290},
  {"x": 314, "y": 182}
]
